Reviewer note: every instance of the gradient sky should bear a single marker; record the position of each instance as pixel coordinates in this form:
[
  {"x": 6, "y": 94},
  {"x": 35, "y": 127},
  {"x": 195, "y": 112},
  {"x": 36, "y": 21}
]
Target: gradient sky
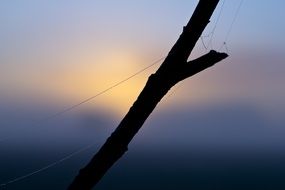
[
  {"x": 71, "y": 50},
  {"x": 56, "y": 53}
]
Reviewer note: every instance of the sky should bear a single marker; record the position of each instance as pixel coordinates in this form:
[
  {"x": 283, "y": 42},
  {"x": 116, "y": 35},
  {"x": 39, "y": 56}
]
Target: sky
[
  {"x": 54, "y": 54},
  {"x": 70, "y": 51}
]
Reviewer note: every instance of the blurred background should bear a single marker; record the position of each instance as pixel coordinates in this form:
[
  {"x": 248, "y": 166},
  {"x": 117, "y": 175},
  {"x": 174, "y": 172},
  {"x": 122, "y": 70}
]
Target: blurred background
[{"x": 222, "y": 129}]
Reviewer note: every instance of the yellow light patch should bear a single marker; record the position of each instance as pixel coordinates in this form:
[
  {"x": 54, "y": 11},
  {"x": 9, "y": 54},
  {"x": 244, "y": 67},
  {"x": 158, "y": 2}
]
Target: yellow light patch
[{"x": 86, "y": 80}]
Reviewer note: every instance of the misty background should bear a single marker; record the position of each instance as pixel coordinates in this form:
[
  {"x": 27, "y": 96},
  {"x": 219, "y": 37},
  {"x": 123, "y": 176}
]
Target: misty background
[{"x": 221, "y": 129}]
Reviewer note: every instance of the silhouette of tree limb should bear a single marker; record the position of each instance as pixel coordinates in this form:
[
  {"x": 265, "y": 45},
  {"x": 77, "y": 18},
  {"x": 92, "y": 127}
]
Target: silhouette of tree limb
[{"x": 175, "y": 68}]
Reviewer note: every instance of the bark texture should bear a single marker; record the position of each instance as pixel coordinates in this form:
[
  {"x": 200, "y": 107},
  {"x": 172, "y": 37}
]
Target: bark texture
[{"x": 175, "y": 68}]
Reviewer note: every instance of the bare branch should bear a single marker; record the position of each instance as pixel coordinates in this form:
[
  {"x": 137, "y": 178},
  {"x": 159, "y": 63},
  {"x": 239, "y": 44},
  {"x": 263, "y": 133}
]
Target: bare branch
[{"x": 174, "y": 69}]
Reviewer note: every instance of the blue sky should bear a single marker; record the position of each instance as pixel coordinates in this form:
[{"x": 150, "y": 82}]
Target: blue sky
[
  {"x": 58, "y": 53},
  {"x": 44, "y": 43}
]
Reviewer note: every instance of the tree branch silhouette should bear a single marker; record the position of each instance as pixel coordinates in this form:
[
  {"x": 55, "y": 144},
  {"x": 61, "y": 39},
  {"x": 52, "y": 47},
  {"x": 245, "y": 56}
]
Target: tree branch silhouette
[{"x": 174, "y": 69}]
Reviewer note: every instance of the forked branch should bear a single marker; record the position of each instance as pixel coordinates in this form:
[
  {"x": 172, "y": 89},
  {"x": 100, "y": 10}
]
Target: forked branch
[{"x": 174, "y": 69}]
